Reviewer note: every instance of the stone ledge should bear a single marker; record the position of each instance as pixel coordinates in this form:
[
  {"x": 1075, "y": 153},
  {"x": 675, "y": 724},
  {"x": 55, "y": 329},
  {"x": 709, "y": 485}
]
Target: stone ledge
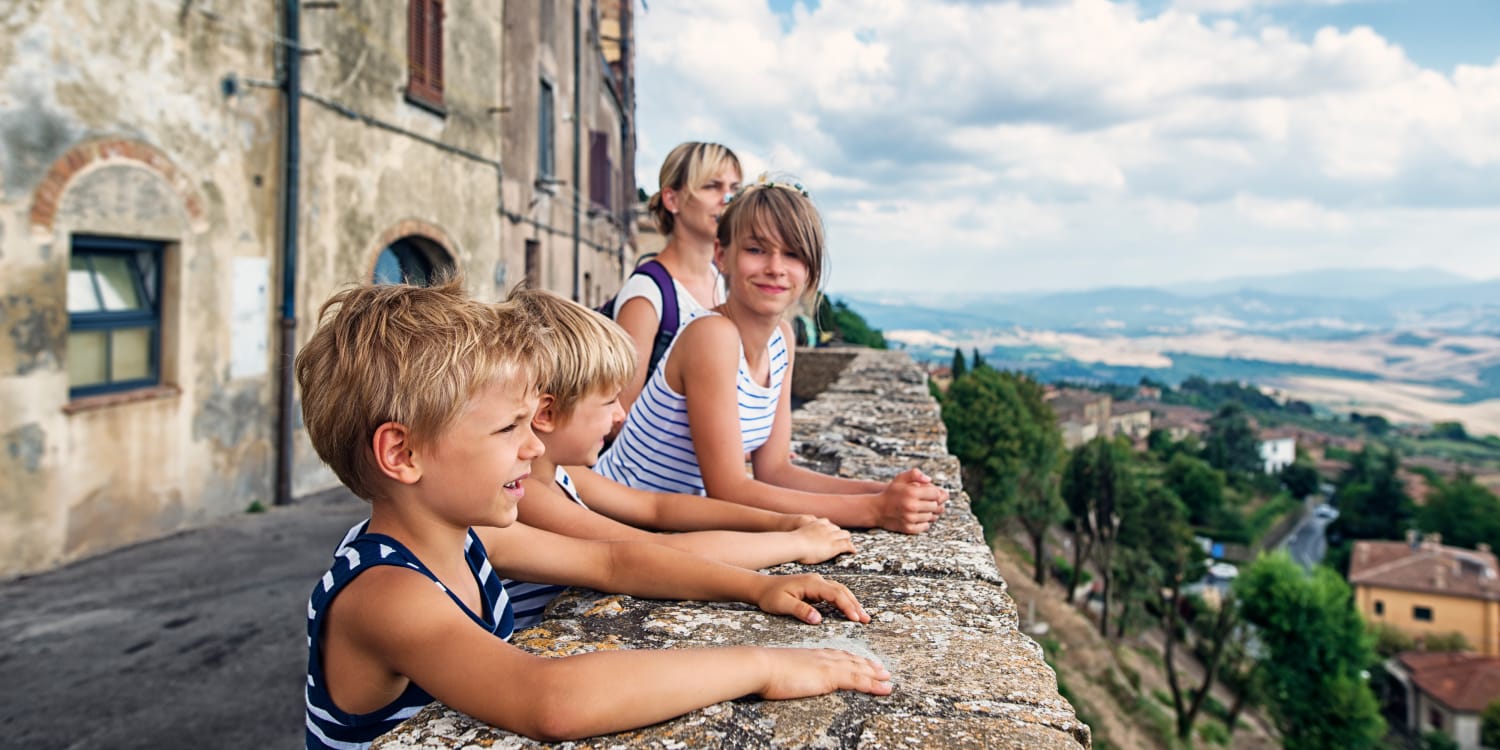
[{"x": 942, "y": 622}]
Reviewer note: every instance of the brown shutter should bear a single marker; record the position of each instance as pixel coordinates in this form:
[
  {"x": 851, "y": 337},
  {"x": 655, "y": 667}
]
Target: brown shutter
[
  {"x": 424, "y": 49},
  {"x": 599, "y": 171}
]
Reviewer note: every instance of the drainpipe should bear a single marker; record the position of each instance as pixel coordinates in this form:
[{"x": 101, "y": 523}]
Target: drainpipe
[
  {"x": 577, "y": 168},
  {"x": 291, "y": 77}
]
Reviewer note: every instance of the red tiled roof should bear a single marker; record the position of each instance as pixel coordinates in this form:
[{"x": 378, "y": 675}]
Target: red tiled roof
[
  {"x": 1427, "y": 567},
  {"x": 1465, "y": 682}
]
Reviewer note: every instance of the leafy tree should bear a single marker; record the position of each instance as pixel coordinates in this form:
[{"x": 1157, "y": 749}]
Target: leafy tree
[
  {"x": 1095, "y": 488},
  {"x": 1232, "y": 446},
  {"x": 1158, "y": 541},
  {"x": 1450, "y": 431},
  {"x": 1489, "y": 725},
  {"x": 847, "y": 325},
  {"x": 959, "y": 365},
  {"x": 978, "y": 360},
  {"x": 1435, "y": 740},
  {"x": 1200, "y": 487},
  {"x": 1464, "y": 512},
  {"x": 1301, "y": 478},
  {"x": 1007, "y": 441},
  {"x": 1317, "y": 650},
  {"x": 1373, "y": 503}
]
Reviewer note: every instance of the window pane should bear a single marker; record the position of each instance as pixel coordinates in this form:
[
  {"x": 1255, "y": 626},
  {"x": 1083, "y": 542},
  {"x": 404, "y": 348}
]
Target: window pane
[
  {"x": 117, "y": 282},
  {"x": 388, "y": 268},
  {"x": 81, "y": 297},
  {"x": 86, "y": 358},
  {"x": 131, "y": 354}
]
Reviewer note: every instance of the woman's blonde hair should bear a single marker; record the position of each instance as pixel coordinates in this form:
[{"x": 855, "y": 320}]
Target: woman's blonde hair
[
  {"x": 688, "y": 167},
  {"x": 592, "y": 354},
  {"x": 411, "y": 355},
  {"x": 778, "y": 207}
]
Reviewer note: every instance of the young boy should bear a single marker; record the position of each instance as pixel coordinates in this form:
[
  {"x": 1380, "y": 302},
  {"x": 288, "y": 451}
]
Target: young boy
[
  {"x": 421, "y": 400},
  {"x": 579, "y": 405}
]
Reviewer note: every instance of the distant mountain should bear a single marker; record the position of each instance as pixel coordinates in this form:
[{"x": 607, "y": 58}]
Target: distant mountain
[
  {"x": 1340, "y": 283},
  {"x": 1347, "y": 303}
]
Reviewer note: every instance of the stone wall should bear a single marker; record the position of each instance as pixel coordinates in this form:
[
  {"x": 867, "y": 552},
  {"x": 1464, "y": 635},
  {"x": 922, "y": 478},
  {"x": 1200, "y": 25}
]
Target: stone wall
[{"x": 942, "y": 622}]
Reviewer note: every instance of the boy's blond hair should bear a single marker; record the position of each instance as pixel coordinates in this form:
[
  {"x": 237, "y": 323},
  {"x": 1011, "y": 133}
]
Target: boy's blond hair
[
  {"x": 410, "y": 355},
  {"x": 592, "y": 354}
]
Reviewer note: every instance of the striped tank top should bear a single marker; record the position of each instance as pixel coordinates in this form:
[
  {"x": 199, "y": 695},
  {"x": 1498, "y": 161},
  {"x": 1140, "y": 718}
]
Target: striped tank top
[
  {"x": 654, "y": 450},
  {"x": 531, "y": 599},
  {"x": 327, "y": 725}
]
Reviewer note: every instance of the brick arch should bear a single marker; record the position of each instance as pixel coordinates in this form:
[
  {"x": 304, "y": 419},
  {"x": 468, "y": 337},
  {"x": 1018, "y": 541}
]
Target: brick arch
[
  {"x": 411, "y": 228},
  {"x": 92, "y": 154}
]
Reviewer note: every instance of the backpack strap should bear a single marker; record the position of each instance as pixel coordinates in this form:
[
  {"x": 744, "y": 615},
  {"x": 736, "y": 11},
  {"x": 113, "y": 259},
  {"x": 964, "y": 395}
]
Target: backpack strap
[{"x": 670, "y": 314}]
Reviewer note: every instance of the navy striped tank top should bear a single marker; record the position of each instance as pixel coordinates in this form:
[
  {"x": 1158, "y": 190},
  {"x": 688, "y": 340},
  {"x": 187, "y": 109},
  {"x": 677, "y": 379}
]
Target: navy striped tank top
[{"x": 327, "y": 725}]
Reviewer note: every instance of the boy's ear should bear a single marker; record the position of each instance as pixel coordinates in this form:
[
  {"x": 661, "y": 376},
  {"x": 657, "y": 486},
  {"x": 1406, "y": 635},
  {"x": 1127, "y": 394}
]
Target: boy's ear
[
  {"x": 545, "y": 419},
  {"x": 393, "y": 454}
]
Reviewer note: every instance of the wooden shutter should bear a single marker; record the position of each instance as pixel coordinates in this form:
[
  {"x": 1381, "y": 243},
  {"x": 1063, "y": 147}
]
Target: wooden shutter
[
  {"x": 599, "y": 170},
  {"x": 424, "y": 51}
]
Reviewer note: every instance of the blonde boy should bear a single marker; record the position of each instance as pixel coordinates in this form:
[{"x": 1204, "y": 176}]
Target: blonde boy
[
  {"x": 579, "y": 405},
  {"x": 421, "y": 401}
]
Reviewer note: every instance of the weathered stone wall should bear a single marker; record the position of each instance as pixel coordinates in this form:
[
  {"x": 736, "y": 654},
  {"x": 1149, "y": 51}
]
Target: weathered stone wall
[
  {"x": 942, "y": 622},
  {"x": 160, "y": 120},
  {"x": 112, "y": 122}
]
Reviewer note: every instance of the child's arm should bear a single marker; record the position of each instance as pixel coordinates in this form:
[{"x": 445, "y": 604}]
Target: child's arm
[
  {"x": 709, "y": 349},
  {"x": 545, "y": 507},
  {"x": 397, "y": 622},
  {"x": 669, "y": 511},
  {"x": 655, "y": 571}
]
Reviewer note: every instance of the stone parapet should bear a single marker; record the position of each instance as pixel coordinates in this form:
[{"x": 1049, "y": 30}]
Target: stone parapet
[{"x": 965, "y": 676}]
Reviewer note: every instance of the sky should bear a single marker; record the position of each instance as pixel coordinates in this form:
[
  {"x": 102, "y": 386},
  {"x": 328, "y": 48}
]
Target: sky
[{"x": 973, "y": 145}]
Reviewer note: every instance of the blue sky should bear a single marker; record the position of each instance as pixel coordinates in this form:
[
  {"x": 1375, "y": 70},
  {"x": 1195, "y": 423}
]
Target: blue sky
[{"x": 1050, "y": 144}]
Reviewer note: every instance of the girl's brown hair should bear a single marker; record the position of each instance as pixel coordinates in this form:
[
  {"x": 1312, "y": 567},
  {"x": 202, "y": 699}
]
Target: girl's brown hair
[{"x": 778, "y": 208}]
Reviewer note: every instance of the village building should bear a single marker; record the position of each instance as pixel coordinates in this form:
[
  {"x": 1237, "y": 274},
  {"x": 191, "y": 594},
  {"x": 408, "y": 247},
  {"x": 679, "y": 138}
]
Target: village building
[
  {"x": 184, "y": 184},
  {"x": 1423, "y": 587},
  {"x": 1446, "y": 692},
  {"x": 1277, "y": 449}
]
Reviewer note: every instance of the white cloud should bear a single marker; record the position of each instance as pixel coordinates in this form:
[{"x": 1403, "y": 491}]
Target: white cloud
[{"x": 1080, "y": 142}]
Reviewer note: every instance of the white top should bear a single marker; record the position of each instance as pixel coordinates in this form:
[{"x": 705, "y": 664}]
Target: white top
[
  {"x": 654, "y": 450},
  {"x": 641, "y": 285}
]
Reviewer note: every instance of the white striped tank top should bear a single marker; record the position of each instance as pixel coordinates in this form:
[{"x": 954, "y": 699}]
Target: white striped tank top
[{"x": 654, "y": 450}]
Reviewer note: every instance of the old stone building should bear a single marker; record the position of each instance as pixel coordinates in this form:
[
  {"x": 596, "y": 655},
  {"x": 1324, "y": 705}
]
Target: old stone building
[{"x": 169, "y": 225}]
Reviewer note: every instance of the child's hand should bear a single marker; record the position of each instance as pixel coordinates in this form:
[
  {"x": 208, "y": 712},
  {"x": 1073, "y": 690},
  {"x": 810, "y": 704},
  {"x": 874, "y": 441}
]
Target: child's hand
[
  {"x": 911, "y": 502},
  {"x": 794, "y": 521},
  {"x": 802, "y": 672},
  {"x": 822, "y": 540},
  {"x": 789, "y": 595}
]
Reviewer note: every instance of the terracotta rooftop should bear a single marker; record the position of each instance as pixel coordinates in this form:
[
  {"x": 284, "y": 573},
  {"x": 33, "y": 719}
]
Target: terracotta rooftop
[
  {"x": 1427, "y": 566},
  {"x": 1465, "y": 682}
]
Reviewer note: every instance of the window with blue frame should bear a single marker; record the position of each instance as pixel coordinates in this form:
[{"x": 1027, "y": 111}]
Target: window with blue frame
[{"x": 114, "y": 314}]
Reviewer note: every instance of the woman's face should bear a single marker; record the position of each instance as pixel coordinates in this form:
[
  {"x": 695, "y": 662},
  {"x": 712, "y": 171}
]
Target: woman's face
[{"x": 698, "y": 210}]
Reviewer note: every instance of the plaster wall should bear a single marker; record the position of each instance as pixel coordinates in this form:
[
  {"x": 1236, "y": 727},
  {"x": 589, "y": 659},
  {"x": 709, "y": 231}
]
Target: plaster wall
[
  {"x": 1476, "y": 619},
  {"x": 432, "y": 174},
  {"x": 539, "y": 46},
  {"x": 112, "y": 121}
]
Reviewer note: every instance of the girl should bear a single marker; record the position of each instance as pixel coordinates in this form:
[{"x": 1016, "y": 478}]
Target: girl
[
  {"x": 696, "y": 180},
  {"x": 724, "y": 386}
]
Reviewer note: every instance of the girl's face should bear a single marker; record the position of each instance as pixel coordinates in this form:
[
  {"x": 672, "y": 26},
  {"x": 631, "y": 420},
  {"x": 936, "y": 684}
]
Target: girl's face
[
  {"x": 762, "y": 274},
  {"x": 698, "y": 210}
]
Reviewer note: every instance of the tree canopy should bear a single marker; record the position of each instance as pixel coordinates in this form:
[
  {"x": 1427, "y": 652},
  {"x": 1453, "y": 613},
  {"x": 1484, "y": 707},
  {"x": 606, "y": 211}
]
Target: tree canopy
[
  {"x": 1006, "y": 437},
  {"x": 1317, "y": 654}
]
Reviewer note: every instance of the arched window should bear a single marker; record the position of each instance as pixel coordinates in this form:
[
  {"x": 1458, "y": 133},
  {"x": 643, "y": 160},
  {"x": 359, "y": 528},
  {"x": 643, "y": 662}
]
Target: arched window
[{"x": 411, "y": 260}]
